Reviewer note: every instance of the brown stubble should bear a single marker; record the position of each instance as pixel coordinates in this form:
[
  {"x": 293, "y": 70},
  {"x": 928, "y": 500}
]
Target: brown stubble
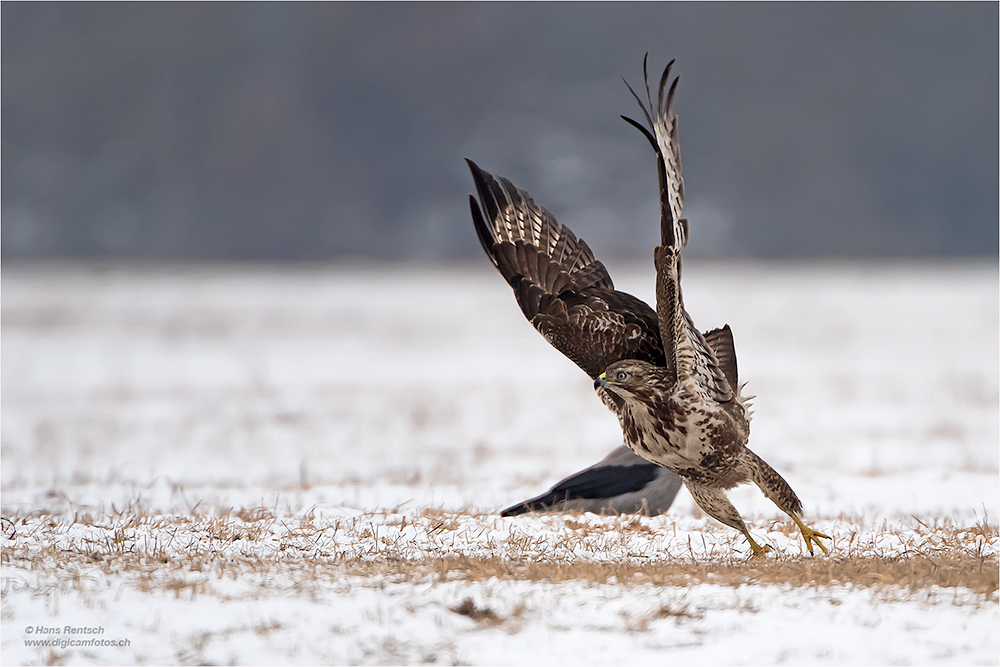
[{"x": 163, "y": 552}]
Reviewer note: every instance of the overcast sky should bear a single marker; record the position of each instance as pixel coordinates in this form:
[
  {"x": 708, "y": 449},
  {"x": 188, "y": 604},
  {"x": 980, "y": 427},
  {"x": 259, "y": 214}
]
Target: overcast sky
[{"x": 312, "y": 131}]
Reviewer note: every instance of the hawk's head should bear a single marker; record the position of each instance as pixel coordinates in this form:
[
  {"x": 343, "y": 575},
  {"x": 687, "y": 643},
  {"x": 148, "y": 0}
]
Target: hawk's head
[{"x": 629, "y": 381}]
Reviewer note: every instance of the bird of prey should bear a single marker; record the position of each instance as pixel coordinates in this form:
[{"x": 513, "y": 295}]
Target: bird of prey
[
  {"x": 570, "y": 299},
  {"x": 621, "y": 483},
  {"x": 675, "y": 390}
]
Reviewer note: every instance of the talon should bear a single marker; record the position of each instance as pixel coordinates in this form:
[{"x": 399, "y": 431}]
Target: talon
[
  {"x": 759, "y": 551},
  {"x": 811, "y": 536}
]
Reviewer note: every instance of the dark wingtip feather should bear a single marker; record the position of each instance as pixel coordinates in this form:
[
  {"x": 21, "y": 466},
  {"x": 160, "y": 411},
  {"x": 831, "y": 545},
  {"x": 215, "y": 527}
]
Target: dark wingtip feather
[
  {"x": 483, "y": 230},
  {"x": 492, "y": 195},
  {"x": 639, "y": 101},
  {"x": 514, "y": 510},
  {"x": 663, "y": 84},
  {"x": 670, "y": 96},
  {"x": 479, "y": 177},
  {"x": 645, "y": 132}
]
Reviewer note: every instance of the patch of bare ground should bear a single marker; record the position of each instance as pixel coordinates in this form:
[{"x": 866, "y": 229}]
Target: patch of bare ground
[
  {"x": 188, "y": 554},
  {"x": 912, "y": 572},
  {"x": 486, "y": 617}
]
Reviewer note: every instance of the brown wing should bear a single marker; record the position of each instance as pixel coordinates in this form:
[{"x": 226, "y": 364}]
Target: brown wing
[
  {"x": 563, "y": 290},
  {"x": 687, "y": 353}
]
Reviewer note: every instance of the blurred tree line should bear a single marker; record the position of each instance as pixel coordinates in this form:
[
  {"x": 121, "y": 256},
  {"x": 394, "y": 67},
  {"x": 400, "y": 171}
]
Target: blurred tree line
[{"x": 305, "y": 131}]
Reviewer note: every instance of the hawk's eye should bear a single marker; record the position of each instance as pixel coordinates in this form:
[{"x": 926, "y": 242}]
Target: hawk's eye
[{"x": 621, "y": 376}]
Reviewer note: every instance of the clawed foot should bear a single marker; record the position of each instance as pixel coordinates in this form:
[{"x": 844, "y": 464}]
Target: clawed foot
[
  {"x": 759, "y": 551},
  {"x": 811, "y": 536}
]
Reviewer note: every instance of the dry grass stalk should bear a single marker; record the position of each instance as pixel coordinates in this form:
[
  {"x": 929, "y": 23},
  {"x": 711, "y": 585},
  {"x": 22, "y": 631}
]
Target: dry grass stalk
[{"x": 183, "y": 553}]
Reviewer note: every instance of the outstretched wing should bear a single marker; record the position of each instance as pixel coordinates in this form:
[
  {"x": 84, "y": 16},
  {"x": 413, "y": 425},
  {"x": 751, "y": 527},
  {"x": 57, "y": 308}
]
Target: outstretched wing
[
  {"x": 689, "y": 356},
  {"x": 622, "y": 483},
  {"x": 662, "y": 135},
  {"x": 563, "y": 290}
]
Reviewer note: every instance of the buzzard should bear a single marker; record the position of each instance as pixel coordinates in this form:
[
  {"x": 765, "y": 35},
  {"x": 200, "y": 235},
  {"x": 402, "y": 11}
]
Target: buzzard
[{"x": 675, "y": 390}]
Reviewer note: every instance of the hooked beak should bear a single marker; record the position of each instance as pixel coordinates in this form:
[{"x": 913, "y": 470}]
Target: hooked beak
[{"x": 599, "y": 382}]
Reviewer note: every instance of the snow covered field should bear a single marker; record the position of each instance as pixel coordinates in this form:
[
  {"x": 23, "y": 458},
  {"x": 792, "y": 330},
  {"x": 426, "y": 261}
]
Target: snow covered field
[{"x": 252, "y": 465}]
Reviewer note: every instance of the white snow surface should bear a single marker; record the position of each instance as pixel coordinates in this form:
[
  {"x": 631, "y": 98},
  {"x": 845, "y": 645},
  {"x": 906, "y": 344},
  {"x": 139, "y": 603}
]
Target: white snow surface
[{"x": 361, "y": 395}]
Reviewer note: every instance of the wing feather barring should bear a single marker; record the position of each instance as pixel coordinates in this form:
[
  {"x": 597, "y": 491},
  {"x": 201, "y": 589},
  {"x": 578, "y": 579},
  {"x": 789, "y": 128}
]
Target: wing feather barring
[{"x": 674, "y": 389}]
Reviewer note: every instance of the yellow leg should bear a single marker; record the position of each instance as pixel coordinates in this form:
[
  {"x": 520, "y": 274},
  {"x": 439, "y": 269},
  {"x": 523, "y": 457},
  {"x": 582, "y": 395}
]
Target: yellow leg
[
  {"x": 810, "y": 535},
  {"x": 758, "y": 550}
]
